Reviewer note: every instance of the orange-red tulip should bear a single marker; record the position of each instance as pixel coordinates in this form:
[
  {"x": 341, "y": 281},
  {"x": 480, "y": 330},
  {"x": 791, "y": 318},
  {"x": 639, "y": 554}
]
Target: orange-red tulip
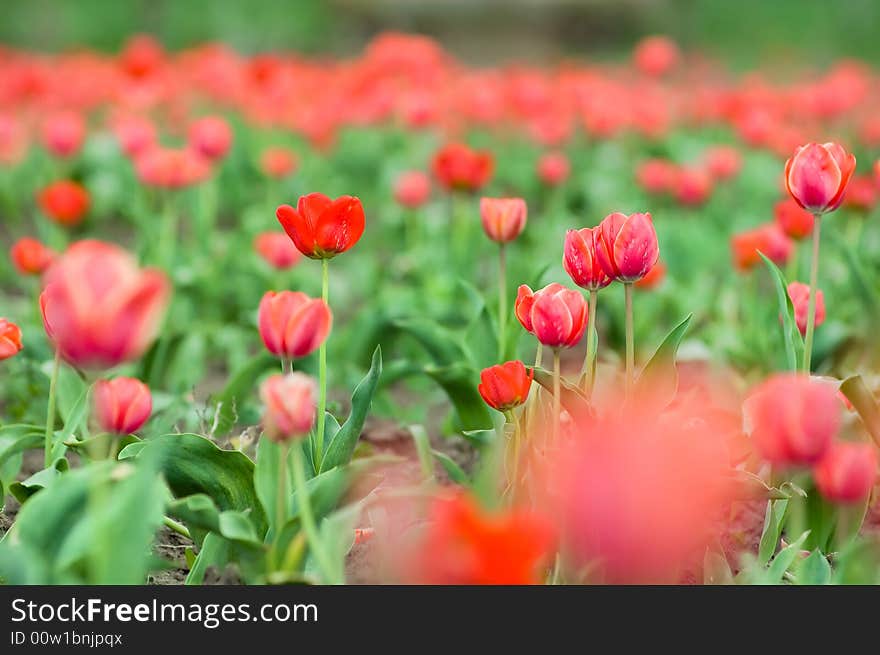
[
  {"x": 505, "y": 386},
  {"x": 10, "y": 339},
  {"x": 321, "y": 227},
  {"x": 122, "y": 405},
  {"x": 768, "y": 238},
  {"x": 292, "y": 325},
  {"x": 65, "y": 202},
  {"x": 277, "y": 162},
  {"x": 800, "y": 300},
  {"x": 503, "y": 218},
  {"x": 816, "y": 176},
  {"x": 794, "y": 220},
  {"x": 457, "y": 166},
  {"x": 277, "y": 250},
  {"x": 653, "y": 278},
  {"x": 30, "y": 256},
  {"x": 627, "y": 246},
  {"x": 580, "y": 261},
  {"x": 861, "y": 194},
  {"x": 289, "y": 406},
  {"x": 847, "y": 472},
  {"x": 656, "y": 55}
]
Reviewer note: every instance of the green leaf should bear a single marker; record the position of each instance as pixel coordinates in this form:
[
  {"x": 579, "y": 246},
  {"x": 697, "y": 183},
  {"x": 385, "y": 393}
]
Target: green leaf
[
  {"x": 23, "y": 490},
  {"x": 784, "y": 559},
  {"x": 453, "y": 470},
  {"x": 444, "y": 346},
  {"x": 266, "y": 472},
  {"x": 814, "y": 570},
  {"x": 774, "y": 519},
  {"x": 341, "y": 447},
  {"x": 16, "y": 439},
  {"x": 859, "y": 279},
  {"x": 460, "y": 382},
  {"x": 237, "y": 389},
  {"x": 659, "y": 377},
  {"x": 214, "y": 552},
  {"x": 857, "y": 392},
  {"x": 794, "y": 345}
]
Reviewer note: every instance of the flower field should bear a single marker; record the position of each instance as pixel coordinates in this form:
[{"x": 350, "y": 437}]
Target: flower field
[{"x": 394, "y": 318}]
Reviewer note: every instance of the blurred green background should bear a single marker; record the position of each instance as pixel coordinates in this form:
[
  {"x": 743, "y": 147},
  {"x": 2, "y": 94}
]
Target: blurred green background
[{"x": 747, "y": 33}]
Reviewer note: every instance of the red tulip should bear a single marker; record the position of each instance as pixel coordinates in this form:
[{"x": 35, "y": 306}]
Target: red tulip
[
  {"x": 10, "y": 339},
  {"x": 861, "y": 194},
  {"x": 723, "y": 162},
  {"x": 580, "y": 261},
  {"x": 464, "y": 545},
  {"x": 122, "y": 405},
  {"x": 170, "y": 168},
  {"x": 505, "y": 386},
  {"x": 847, "y": 472},
  {"x": 64, "y": 133},
  {"x": 135, "y": 135},
  {"x": 456, "y": 166},
  {"x": 277, "y": 162},
  {"x": 30, "y": 256},
  {"x": 553, "y": 168},
  {"x": 794, "y": 419},
  {"x": 211, "y": 137},
  {"x": 292, "y": 325},
  {"x": 142, "y": 56},
  {"x": 794, "y": 220},
  {"x": 321, "y": 227},
  {"x": 555, "y": 315},
  {"x": 99, "y": 308},
  {"x": 290, "y": 406},
  {"x": 693, "y": 186},
  {"x": 800, "y": 299},
  {"x": 412, "y": 189},
  {"x": 13, "y": 141},
  {"x": 816, "y": 176},
  {"x": 653, "y": 278},
  {"x": 656, "y": 55},
  {"x": 277, "y": 250},
  {"x": 503, "y": 218},
  {"x": 627, "y": 246},
  {"x": 768, "y": 238},
  {"x": 656, "y": 175},
  {"x": 65, "y": 202}
]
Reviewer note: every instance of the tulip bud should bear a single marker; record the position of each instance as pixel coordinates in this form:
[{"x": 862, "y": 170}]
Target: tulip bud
[
  {"x": 558, "y": 316},
  {"x": 277, "y": 250},
  {"x": 580, "y": 261},
  {"x": 794, "y": 419},
  {"x": 30, "y": 256},
  {"x": 800, "y": 300},
  {"x": 503, "y": 218},
  {"x": 794, "y": 220},
  {"x": 211, "y": 137},
  {"x": 458, "y": 167},
  {"x": 505, "y": 386},
  {"x": 277, "y": 162},
  {"x": 847, "y": 472},
  {"x": 412, "y": 189},
  {"x": 65, "y": 202},
  {"x": 292, "y": 325},
  {"x": 122, "y": 405},
  {"x": 321, "y": 227},
  {"x": 289, "y": 406},
  {"x": 627, "y": 246},
  {"x": 553, "y": 168},
  {"x": 816, "y": 176},
  {"x": 10, "y": 339}
]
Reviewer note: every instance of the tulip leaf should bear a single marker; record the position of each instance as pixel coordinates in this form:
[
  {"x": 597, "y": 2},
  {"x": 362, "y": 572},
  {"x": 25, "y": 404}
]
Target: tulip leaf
[
  {"x": 572, "y": 399},
  {"x": 784, "y": 559},
  {"x": 444, "y": 346},
  {"x": 23, "y": 490},
  {"x": 814, "y": 570},
  {"x": 15, "y": 439},
  {"x": 241, "y": 383},
  {"x": 794, "y": 345},
  {"x": 774, "y": 519},
  {"x": 214, "y": 552},
  {"x": 460, "y": 382},
  {"x": 341, "y": 447},
  {"x": 453, "y": 470},
  {"x": 865, "y": 404},
  {"x": 659, "y": 378}
]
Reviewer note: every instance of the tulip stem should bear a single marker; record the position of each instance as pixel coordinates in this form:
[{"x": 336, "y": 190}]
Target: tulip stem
[
  {"x": 630, "y": 345},
  {"x": 502, "y": 302},
  {"x": 811, "y": 307},
  {"x": 322, "y": 371},
  {"x": 281, "y": 498},
  {"x": 557, "y": 404},
  {"x": 50, "y": 408},
  {"x": 590, "y": 361},
  {"x": 306, "y": 516}
]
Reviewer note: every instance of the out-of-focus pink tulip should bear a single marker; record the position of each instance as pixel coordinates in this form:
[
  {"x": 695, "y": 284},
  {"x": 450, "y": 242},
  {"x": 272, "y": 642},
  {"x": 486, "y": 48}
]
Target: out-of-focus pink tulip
[
  {"x": 723, "y": 162},
  {"x": 289, "y": 406},
  {"x": 553, "y": 168},
  {"x": 580, "y": 261},
  {"x": 277, "y": 250},
  {"x": 412, "y": 189},
  {"x": 503, "y": 218},
  {"x": 171, "y": 168},
  {"x": 847, "y": 472},
  {"x": 211, "y": 137},
  {"x": 292, "y": 325},
  {"x": 693, "y": 186},
  {"x": 135, "y": 134},
  {"x": 800, "y": 299},
  {"x": 122, "y": 405},
  {"x": 277, "y": 162},
  {"x": 627, "y": 246},
  {"x": 64, "y": 133},
  {"x": 816, "y": 176},
  {"x": 656, "y": 55},
  {"x": 656, "y": 175}
]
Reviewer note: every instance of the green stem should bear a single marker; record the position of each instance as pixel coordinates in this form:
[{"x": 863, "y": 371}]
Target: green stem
[
  {"x": 557, "y": 388},
  {"x": 811, "y": 307},
  {"x": 630, "y": 342},
  {"x": 50, "y": 408},
  {"x": 168, "y": 235},
  {"x": 281, "y": 498},
  {"x": 174, "y": 526},
  {"x": 502, "y": 302},
  {"x": 590, "y": 360},
  {"x": 322, "y": 371},
  {"x": 306, "y": 516}
]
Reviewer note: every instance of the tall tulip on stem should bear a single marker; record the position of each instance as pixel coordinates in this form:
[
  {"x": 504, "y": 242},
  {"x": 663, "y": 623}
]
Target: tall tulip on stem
[
  {"x": 321, "y": 228},
  {"x": 816, "y": 176}
]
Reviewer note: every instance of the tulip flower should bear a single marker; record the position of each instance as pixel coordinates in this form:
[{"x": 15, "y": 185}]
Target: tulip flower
[
  {"x": 465, "y": 545},
  {"x": 289, "y": 406},
  {"x": 171, "y": 168},
  {"x": 292, "y": 325},
  {"x": 656, "y": 176},
  {"x": 794, "y": 419},
  {"x": 65, "y": 202},
  {"x": 653, "y": 278},
  {"x": 458, "y": 167},
  {"x": 847, "y": 472},
  {"x": 723, "y": 162},
  {"x": 30, "y": 256},
  {"x": 277, "y": 162},
  {"x": 693, "y": 186},
  {"x": 800, "y": 300},
  {"x": 10, "y": 339},
  {"x": 277, "y": 250},
  {"x": 505, "y": 386},
  {"x": 321, "y": 227},
  {"x": 816, "y": 176},
  {"x": 211, "y": 137},
  {"x": 122, "y": 405},
  {"x": 861, "y": 194},
  {"x": 135, "y": 135},
  {"x": 412, "y": 189},
  {"x": 553, "y": 168},
  {"x": 64, "y": 133},
  {"x": 794, "y": 220},
  {"x": 769, "y": 239},
  {"x": 656, "y": 55}
]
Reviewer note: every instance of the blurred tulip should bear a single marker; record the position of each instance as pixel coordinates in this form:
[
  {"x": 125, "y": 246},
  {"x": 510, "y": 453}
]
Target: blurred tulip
[
  {"x": 211, "y": 137},
  {"x": 555, "y": 315},
  {"x": 99, "y": 308},
  {"x": 64, "y": 133},
  {"x": 122, "y": 405},
  {"x": 135, "y": 135},
  {"x": 656, "y": 176},
  {"x": 794, "y": 220},
  {"x": 10, "y": 339},
  {"x": 292, "y": 325},
  {"x": 65, "y": 202},
  {"x": 653, "y": 278},
  {"x": 464, "y": 545},
  {"x": 627, "y": 246},
  {"x": 142, "y": 55},
  {"x": 277, "y": 162},
  {"x": 458, "y": 167},
  {"x": 847, "y": 472},
  {"x": 289, "y": 406},
  {"x": 794, "y": 419},
  {"x": 30, "y": 256},
  {"x": 277, "y": 250},
  {"x": 503, "y": 218},
  {"x": 861, "y": 194},
  {"x": 321, "y": 227},
  {"x": 412, "y": 189},
  {"x": 553, "y": 168},
  {"x": 768, "y": 239},
  {"x": 817, "y": 175},
  {"x": 693, "y": 186},
  {"x": 723, "y": 162},
  {"x": 505, "y": 386},
  {"x": 580, "y": 261},
  {"x": 800, "y": 299},
  {"x": 170, "y": 168},
  {"x": 656, "y": 55},
  {"x": 13, "y": 141}
]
